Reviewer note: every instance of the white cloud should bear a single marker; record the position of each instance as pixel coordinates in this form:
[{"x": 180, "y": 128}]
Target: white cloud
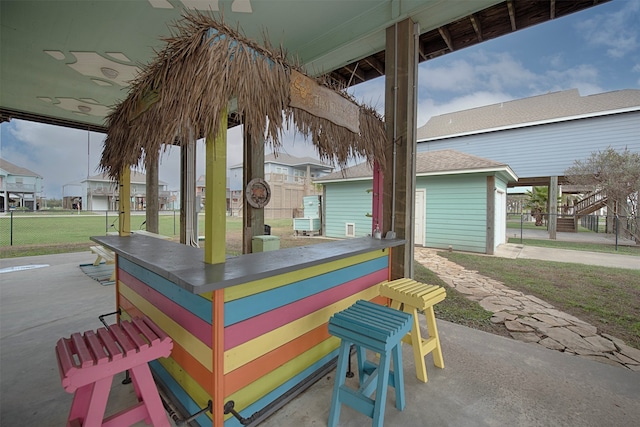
[
  {"x": 480, "y": 71},
  {"x": 428, "y": 108},
  {"x": 618, "y": 31},
  {"x": 60, "y": 155}
]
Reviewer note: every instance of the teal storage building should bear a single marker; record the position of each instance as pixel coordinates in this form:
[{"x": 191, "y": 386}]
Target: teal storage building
[{"x": 460, "y": 201}]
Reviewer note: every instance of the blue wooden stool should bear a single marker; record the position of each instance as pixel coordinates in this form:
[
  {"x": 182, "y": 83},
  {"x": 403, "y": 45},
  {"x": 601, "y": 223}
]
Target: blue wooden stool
[{"x": 379, "y": 329}]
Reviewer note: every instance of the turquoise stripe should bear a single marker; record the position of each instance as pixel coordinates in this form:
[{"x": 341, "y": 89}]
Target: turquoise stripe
[
  {"x": 196, "y": 304},
  {"x": 279, "y": 391},
  {"x": 185, "y": 400},
  {"x": 253, "y": 305}
]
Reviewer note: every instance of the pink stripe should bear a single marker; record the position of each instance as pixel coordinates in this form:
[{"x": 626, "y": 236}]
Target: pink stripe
[
  {"x": 246, "y": 330},
  {"x": 192, "y": 323}
]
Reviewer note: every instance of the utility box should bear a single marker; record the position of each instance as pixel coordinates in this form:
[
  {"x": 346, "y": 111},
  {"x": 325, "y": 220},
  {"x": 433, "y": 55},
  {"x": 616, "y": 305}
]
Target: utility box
[
  {"x": 311, "y": 223},
  {"x": 265, "y": 243}
]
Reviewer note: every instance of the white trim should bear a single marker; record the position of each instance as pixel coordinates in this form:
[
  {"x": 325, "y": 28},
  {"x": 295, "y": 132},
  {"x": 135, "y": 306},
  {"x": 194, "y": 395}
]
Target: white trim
[
  {"x": 505, "y": 169},
  {"x": 347, "y": 179}
]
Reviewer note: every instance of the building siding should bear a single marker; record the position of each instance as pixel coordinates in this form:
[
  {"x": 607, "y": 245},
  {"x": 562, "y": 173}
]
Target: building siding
[
  {"x": 455, "y": 211},
  {"x": 348, "y": 202},
  {"x": 548, "y": 149}
]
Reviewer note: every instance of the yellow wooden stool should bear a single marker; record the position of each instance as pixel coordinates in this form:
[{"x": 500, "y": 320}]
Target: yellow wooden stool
[{"x": 411, "y": 296}]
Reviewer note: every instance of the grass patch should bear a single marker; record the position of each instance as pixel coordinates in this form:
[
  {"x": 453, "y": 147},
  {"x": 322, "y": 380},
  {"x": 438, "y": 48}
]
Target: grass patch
[
  {"x": 580, "y": 246},
  {"x": 457, "y": 308},
  {"x": 608, "y": 298}
]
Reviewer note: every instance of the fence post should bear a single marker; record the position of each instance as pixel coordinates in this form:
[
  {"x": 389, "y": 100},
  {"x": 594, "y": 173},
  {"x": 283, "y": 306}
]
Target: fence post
[
  {"x": 521, "y": 226},
  {"x": 106, "y": 222},
  {"x": 617, "y": 223},
  {"x": 11, "y": 228}
]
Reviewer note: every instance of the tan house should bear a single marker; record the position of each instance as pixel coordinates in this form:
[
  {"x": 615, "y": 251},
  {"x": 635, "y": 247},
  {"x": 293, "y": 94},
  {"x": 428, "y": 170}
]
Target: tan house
[{"x": 290, "y": 179}]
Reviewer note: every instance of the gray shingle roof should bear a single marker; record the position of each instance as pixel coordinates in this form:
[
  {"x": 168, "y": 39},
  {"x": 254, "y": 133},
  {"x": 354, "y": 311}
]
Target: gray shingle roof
[
  {"x": 427, "y": 163},
  {"x": 550, "y": 106},
  {"x": 16, "y": 170}
]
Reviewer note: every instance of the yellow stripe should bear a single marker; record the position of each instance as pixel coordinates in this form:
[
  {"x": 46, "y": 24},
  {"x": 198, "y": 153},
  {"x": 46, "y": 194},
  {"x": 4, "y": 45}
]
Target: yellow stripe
[
  {"x": 193, "y": 345},
  {"x": 188, "y": 384},
  {"x": 250, "y": 288},
  {"x": 245, "y": 353},
  {"x": 259, "y": 388}
]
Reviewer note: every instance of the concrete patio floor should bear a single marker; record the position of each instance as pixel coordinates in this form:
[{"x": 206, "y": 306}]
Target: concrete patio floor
[{"x": 488, "y": 380}]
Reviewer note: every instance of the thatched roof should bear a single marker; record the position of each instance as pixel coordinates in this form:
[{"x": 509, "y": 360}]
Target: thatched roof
[{"x": 184, "y": 93}]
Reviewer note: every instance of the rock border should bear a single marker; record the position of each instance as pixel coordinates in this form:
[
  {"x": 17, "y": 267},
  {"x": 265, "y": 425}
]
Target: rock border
[{"x": 530, "y": 319}]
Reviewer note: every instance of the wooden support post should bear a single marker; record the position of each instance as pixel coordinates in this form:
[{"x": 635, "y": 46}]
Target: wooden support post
[
  {"x": 124, "y": 219},
  {"x": 253, "y": 167},
  {"x": 215, "y": 228},
  {"x": 491, "y": 213},
  {"x": 401, "y": 58},
  {"x": 151, "y": 192},
  {"x": 188, "y": 212},
  {"x": 553, "y": 207},
  {"x": 378, "y": 179}
]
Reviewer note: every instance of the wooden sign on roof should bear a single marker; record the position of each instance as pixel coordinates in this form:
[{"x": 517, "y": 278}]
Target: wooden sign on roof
[{"x": 320, "y": 101}]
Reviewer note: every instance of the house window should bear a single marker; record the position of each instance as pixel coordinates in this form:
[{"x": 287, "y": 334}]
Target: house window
[{"x": 350, "y": 229}]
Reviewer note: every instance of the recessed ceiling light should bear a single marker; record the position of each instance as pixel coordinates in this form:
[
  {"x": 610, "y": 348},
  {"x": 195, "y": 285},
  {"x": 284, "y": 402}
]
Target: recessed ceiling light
[
  {"x": 84, "y": 108},
  {"x": 109, "y": 73}
]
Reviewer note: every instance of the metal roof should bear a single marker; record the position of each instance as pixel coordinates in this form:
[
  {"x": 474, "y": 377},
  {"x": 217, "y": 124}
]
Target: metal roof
[{"x": 556, "y": 106}]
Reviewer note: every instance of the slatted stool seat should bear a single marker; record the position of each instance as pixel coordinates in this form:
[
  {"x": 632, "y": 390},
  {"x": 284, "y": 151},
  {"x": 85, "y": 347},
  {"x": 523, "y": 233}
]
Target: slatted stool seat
[
  {"x": 87, "y": 363},
  {"x": 410, "y": 296},
  {"x": 379, "y": 329}
]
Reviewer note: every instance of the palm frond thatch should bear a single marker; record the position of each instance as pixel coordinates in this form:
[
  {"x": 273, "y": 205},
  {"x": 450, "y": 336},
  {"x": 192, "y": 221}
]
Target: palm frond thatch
[{"x": 186, "y": 89}]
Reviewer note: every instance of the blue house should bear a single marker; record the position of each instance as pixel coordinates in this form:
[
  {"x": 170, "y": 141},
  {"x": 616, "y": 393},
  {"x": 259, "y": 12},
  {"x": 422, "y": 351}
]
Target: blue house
[{"x": 460, "y": 201}]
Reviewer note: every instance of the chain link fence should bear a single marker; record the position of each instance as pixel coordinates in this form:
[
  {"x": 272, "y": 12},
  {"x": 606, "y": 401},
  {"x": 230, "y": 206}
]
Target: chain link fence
[{"x": 620, "y": 227}]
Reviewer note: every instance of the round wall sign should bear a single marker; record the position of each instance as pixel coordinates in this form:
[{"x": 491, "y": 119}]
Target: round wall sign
[{"x": 258, "y": 193}]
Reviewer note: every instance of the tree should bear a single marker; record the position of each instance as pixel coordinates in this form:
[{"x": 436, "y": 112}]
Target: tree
[
  {"x": 537, "y": 201},
  {"x": 615, "y": 173}
]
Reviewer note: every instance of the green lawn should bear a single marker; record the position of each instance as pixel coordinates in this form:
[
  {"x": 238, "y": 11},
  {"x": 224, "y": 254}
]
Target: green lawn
[{"x": 39, "y": 234}]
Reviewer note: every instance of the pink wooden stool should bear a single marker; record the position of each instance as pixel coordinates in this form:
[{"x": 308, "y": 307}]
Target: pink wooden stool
[{"x": 88, "y": 362}]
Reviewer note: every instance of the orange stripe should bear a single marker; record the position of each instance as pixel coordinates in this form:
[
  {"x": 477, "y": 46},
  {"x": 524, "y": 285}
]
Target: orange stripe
[
  {"x": 115, "y": 266},
  {"x": 245, "y": 375},
  {"x": 192, "y": 367},
  {"x": 217, "y": 342}
]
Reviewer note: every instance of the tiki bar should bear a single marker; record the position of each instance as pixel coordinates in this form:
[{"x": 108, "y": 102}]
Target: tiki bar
[{"x": 248, "y": 331}]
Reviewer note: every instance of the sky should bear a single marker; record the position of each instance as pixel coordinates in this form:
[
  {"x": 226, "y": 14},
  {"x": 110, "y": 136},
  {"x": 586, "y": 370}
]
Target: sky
[{"x": 594, "y": 51}]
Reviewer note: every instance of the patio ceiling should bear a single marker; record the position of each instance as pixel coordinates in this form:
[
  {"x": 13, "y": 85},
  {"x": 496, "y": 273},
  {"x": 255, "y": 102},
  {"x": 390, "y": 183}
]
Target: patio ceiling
[{"x": 68, "y": 62}]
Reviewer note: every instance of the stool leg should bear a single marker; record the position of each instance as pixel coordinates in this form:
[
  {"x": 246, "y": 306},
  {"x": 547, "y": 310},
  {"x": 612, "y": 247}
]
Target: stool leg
[
  {"x": 381, "y": 390},
  {"x": 361, "y": 354},
  {"x": 398, "y": 377},
  {"x": 148, "y": 392},
  {"x": 438, "y": 360},
  {"x": 96, "y": 396},
  {"x": 418, "y": 348},
  {"x": 341, "y": 371}
]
